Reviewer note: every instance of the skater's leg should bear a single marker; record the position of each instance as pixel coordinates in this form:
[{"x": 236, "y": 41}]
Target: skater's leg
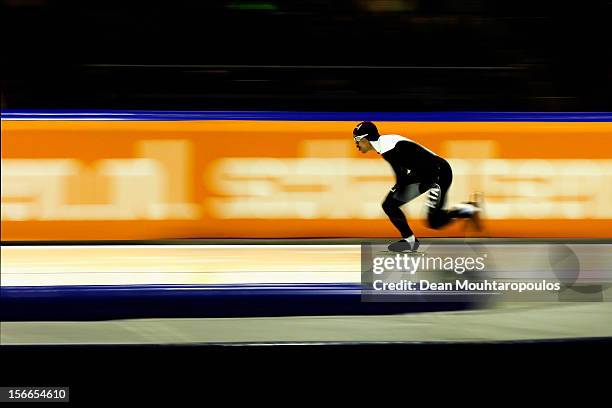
[
  {"x": 437, "y": 215},
  {"x": 398, "y": 196},
  {"x": 391, "y": 207}
]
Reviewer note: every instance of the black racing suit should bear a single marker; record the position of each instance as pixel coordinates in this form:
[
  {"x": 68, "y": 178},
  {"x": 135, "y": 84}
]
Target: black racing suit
[{"x": 417, "y": 170}]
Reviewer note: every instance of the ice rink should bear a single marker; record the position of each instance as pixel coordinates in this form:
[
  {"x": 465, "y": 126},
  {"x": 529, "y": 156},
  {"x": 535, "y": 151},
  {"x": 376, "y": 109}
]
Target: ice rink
[{"x": 243, "y": 262}]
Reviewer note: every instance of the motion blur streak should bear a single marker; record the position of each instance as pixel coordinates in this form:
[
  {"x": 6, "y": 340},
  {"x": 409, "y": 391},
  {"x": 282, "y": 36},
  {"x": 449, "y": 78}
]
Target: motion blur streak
[{"x": 178, "y": 264}]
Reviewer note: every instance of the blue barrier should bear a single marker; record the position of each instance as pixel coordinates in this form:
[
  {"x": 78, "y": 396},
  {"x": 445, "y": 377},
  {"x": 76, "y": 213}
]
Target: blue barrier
[
  {"x": 139, "y": 115},
  {"x": 243, "y": 300}
]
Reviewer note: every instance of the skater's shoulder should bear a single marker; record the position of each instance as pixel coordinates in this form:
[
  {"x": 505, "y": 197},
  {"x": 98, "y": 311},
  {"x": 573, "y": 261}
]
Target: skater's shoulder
[
  {"x": 388, "y": 142},
  {"x": 402, "y": 145}
]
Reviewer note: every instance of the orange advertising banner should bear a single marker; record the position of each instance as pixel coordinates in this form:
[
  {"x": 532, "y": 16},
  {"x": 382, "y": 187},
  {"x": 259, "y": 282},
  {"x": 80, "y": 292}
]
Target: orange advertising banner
[{"x": 93, "y": 180}]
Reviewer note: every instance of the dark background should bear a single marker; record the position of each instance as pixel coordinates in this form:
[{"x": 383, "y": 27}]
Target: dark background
[{"x": 347, "y": 55}]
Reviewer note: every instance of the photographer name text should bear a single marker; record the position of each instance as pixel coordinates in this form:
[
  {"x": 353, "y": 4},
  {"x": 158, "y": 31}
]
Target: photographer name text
[{"x": 465, "y": 285}]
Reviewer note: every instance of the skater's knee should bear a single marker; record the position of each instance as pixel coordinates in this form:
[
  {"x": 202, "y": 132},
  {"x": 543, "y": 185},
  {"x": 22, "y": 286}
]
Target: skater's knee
[
  {"x": 433, "y": 224},
  {"x": 390, "y": 206},
  {"x": 434, "y": 221}
]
